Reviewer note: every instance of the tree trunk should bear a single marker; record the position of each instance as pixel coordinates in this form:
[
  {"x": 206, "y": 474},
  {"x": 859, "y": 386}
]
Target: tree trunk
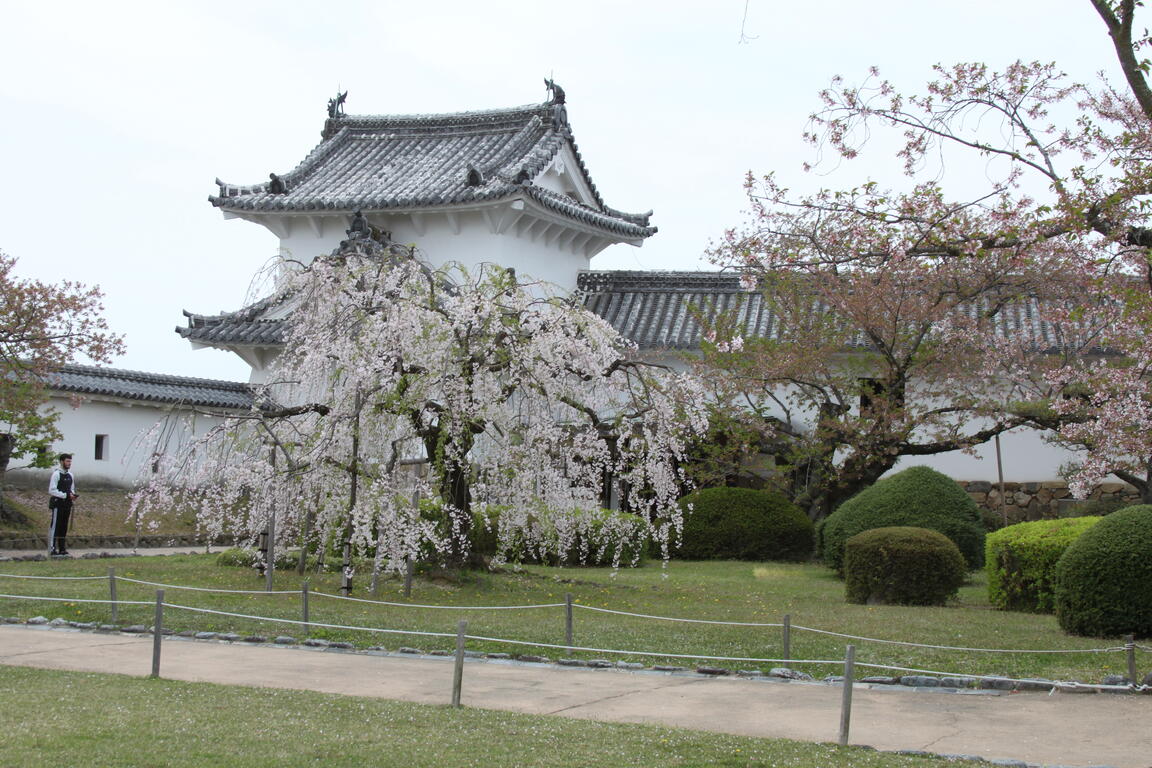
[{"x": 454, "y": 490}]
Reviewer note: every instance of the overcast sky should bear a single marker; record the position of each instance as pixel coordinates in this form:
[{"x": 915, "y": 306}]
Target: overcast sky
[{"x": 116, "y": 117}]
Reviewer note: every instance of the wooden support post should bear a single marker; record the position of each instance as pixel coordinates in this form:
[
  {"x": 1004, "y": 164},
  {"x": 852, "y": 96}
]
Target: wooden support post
[
  {"x": 1130, "y": 648},
  {"x": 846, "y": 701},
  {"x": 112, "y": 594},
  {"x": 270, "y": 563},
  {"x": 787, "y": 640},
  {"x": 304, "y": 606},
  {"x": 458, "y": 672},
  {"x": 568, "y": 628},
  {"x": 157, "y": 632}
]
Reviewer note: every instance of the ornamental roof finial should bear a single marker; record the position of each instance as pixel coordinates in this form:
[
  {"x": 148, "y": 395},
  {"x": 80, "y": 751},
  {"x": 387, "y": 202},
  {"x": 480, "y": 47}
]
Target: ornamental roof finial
[
  {"x": 556, "y": 92},
  {"x": 336, "y": 105}
]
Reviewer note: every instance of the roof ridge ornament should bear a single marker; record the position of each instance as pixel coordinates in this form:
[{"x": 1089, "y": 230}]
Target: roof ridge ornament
[
  {"x": 336, "y": 105},
  {"x": 276, "y": 185},
  {"x": 559, "y": 111},
  {"x": 555, "y": 92}
]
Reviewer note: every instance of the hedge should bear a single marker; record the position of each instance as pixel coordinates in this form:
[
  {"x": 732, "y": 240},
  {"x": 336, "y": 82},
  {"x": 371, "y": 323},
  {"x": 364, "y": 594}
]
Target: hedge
[
  {"x": 1104, "y": 579},
  {"x": 743, "y": 524},
  {"x": 1021, "y": 562},
  {"x": 919, "y": 497},
  {"x": 902, "y": 565}
]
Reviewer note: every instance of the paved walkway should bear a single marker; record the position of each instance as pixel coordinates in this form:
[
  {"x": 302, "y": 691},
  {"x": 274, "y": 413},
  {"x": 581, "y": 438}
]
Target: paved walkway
[{"x": 1064, "y": 729}]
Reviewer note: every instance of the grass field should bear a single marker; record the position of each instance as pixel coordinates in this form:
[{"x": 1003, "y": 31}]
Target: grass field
[
  {"x": 717, "y": 591},
  {"x": 72, "y": 719}
]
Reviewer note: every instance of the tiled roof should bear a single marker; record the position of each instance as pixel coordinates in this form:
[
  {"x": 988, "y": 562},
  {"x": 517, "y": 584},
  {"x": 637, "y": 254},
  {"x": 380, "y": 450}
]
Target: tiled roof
[
  {"x": 655, "y": 309},
  {"x": 151, "y": 387},
  {"x": 381, "y": 162},
  {"x": 659, "y": 310},
  {"x": 247, "y": 327}
]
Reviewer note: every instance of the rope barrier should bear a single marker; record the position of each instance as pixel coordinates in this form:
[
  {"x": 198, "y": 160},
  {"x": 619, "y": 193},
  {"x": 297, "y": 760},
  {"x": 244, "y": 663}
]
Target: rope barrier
[
  {"x": 861, "y": 638},
  {"x": 53, "y": 578},
  {"x": 671, "y": 618},
  {"x": 77, "y": 600},
  {"x": 952, "y": 647},
  {"x": 310, "y": 623},
  {"x": 762, "y": 660},
  {"x": 445, "y": 607},
  {"x": 205, "y": 589}
]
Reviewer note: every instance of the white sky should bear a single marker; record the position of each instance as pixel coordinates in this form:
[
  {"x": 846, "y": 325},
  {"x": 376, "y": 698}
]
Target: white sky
[{"x": 115, "y": 117}]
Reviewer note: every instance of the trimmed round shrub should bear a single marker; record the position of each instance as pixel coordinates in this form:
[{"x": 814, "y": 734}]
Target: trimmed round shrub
[
  {"x": 1021, "y": 562},
  {"x": 1104, "y": 580},
  {"x": 902, "y": 565},
  {"x": 743, "y": 524},
  {"x": 920, "y": 497}
]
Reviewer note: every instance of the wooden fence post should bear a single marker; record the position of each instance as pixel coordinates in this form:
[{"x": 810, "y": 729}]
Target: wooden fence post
[
  {"x": 458, "y": 672},
  {"x": 1130, "y": 647},
  {"x": 568, "y": 622},
  {"x": 157, "y": 632},
  {"x": 304, "y": 605},
  {"x": 787, "y": 640},
  {"x": 846, "y": 701},
  {"x": 112, "y": 594}
]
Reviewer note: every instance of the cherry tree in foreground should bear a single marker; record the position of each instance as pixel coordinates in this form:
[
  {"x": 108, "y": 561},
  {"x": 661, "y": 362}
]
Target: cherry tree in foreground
[
  {"x": 408, "y": 402},
  {"x": 42, "y": 326},
  {"x": 935, "y": 317}
]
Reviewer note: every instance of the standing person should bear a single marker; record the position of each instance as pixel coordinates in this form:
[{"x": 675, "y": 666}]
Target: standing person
[{"x": 62, "y": 489}]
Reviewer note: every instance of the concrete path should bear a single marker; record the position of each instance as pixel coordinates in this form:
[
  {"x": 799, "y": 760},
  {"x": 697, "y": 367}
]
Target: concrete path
[{"x": 1064, "y": 729}]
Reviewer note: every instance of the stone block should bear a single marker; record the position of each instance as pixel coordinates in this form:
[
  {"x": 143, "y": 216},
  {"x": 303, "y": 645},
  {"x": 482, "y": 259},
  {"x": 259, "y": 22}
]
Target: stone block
[
  {"x": 997, "y": 684},
  {"x": 718, "y": 671}
]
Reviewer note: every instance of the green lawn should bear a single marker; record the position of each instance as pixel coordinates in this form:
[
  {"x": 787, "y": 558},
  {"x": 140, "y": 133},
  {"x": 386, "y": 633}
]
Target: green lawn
[
  {"x": 69, "y": 718},
  {"x": 729, "y": 591}
]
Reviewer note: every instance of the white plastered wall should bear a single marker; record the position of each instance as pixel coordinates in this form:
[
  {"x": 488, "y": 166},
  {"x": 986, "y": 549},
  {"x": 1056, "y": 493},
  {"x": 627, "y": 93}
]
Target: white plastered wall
[{"x": 125, "y": 423}]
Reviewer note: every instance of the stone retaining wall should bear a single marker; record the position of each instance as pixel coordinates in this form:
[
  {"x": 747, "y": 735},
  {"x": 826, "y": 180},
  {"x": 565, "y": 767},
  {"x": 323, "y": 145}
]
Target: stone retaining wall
[
  {"x": 1039, "y": 501},
  {"x": 35, "y": 541}
]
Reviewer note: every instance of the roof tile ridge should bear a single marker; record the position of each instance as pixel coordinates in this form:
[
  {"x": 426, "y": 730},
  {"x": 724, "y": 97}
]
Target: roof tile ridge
[
  {"x": 149, "y": 377},
  {"x": 584, "y": 167},
  {"x": 464, "y": 116},
  {"x": 519, "y": 150},
  {"x": 550, "y": 197}
]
